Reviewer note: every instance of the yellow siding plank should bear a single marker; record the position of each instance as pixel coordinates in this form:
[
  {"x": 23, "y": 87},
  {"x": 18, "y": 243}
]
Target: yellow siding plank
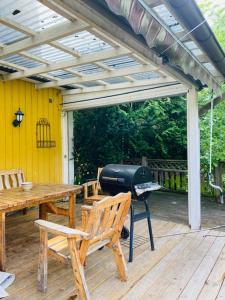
[{"x": 2, "y": 125}]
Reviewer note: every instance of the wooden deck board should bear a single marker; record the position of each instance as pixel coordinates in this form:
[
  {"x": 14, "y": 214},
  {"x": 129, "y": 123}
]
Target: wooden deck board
[
  {"x": 215, "y": 280},
  {"x": 186, "y": 266}
]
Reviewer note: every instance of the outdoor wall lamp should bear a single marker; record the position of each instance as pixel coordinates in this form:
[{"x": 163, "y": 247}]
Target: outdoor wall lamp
[{"x": 19, "y": 118}]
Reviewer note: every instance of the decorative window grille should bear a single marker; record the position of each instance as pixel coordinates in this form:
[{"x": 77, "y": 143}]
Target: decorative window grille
[{"x": 43, "y": 134}]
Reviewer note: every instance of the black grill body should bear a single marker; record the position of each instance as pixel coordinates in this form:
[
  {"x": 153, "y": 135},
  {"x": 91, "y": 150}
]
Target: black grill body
[{"x": 116, "y": 178}]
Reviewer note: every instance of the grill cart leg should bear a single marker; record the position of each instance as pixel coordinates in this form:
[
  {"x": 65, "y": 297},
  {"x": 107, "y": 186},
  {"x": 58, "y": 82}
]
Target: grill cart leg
[
  {"x": 131, "y": 232},
  {"x": 125, "y": 233},
  {"x": 137, "y": 217},
  {"x": 149, "y": 225}
]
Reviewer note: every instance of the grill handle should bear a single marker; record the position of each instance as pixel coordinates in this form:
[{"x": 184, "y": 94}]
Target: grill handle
[{"x": 118, "y": 180}]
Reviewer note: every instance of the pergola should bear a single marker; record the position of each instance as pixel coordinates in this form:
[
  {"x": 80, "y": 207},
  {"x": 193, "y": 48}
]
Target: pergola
[{"x": 100, "y": 53}]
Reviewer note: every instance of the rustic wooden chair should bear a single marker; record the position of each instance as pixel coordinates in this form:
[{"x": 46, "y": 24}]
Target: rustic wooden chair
[
  {"x": 12, "y": 179},
  {"x": 101, "y": 225},
  {"x": 92, "y": 190}
]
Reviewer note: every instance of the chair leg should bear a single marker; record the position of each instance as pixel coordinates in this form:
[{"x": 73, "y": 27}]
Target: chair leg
[
  {"x": 43, "y": 262},
  {"x": 120, "y": 261},
  {"x": 131, "y": 233},
  {"x": 24, "y": 211},
  {"x": 78, "y": 271}
]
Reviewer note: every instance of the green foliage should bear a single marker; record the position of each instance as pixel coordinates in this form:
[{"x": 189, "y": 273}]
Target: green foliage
[
  {"x": 156, "y": 129},
  {"x": 214, "y": 12},
  {"x": 218, "y": 136},
  {"x": 216, "y": 15}
]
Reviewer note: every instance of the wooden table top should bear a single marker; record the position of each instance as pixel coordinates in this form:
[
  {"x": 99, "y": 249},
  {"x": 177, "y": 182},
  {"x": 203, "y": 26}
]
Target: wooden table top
[{"x": 40, "y": 193}]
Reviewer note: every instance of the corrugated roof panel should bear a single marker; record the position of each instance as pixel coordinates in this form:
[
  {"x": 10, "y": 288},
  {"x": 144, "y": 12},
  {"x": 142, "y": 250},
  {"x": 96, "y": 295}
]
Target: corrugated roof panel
[
  {"x": 209, "y": 67},
  {"x": 61, "y": 74},
  {"x": 32, "y": 14},
  {"x": 197, "y": 52},
  {"x": 168, "y": 18},
  {"x": 145, "y": 75},
  {"x": 22, "y": 61},
  {"x": 91, "y": 84},
  {"x": 88, "y": 69},
  {"x": 85, "y": 42},
  {"x": 116, "y": 80},
  {"x": 121, "y": 62},
  {"x": 8, "y": 35},
  {"x": 50, "y": 53},
  {"x": 191, "y": 45}
]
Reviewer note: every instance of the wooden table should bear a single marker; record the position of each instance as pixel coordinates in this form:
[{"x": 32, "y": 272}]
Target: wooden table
[{"x": 43, "y": 195}]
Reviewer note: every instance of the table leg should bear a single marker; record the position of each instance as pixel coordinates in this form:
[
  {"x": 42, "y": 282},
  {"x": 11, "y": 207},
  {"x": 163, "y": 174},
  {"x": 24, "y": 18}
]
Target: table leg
[
  {"x": 2, "y": 241},
  {"x": 72, "y": 200},
  {"x": 43, "y": 214}
]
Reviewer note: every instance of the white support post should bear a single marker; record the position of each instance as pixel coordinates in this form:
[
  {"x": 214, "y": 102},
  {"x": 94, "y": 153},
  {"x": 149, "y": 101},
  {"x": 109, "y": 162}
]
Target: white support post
[
  {"x": 65, "y": 161},
  {"x": 70, "y": 148},
  {"x": 193, "y": 146},
  {"x": 67, "y": 147}
]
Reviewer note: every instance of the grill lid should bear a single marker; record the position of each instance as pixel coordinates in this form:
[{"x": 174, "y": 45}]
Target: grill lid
[{"x": 116, "y": 178}]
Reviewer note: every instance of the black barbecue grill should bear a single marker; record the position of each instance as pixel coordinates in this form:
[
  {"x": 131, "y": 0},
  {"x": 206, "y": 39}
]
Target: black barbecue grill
[{"x": 116, "y": 178}]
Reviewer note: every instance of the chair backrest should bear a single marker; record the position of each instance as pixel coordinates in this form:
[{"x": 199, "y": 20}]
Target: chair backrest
[
  {"x": 105, "y": 218},
  {"x": 11, "y": 178}
]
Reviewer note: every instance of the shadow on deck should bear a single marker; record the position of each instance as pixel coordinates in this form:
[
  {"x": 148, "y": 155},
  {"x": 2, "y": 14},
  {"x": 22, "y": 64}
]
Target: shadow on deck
[{"x": 187, "y": 266}]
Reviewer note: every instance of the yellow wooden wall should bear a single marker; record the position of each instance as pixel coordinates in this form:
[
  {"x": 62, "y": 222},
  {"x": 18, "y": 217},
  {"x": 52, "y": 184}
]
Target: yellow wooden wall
[{"x": 18, "y": 144}]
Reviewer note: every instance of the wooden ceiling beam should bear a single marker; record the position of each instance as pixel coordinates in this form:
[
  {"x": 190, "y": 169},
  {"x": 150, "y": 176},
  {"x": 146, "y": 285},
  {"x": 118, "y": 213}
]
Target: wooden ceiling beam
[
  {"x": 91, "y": 13},
  {"x": 17, "y": 26},
  {"x": 64, "y": 48},
  {"x": 13, "y": 66},
  {"x": 135, "y": 96},
  {"x": 117, "y": 86},
  {"x": 34, "y": 57},
  {"x": 84, "y": 59},
  {"x": 46, "y": 36},
  {"x": 98, "y": 76}
]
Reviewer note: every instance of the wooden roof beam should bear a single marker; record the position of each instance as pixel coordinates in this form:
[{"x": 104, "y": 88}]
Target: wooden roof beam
[
  {"x": 117, "y": 86},
  {"x": 64, "y": 48},
  {"x": 88, "y": 12},
  {"x": 129, "y": 78},
  {"x": 154, "y": 93},
  {"x": 34, "y": 57},
  {"x": 103, "y": 66},
  {"x": 46, "y": 36},
  {"x": 84, "y": 59},
  {"x": 13, "y": 66},
  {"x": 98, "y": 76},
  {"x": 78, "y": 74},
  {"x": 102, "y": 82},
  {"x": 17, "y": 26}
]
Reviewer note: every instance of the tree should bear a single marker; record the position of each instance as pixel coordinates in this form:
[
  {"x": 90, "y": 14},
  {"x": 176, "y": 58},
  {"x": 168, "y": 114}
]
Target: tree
[
  {"x": 217, "y": 20},
  {"x": 156, "y": 129}
]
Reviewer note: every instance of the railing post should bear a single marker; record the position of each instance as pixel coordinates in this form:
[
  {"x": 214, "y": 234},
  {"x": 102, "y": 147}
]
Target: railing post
[
  {"x": 144, "y": 161},
  {"x": 219, "y": 170}
]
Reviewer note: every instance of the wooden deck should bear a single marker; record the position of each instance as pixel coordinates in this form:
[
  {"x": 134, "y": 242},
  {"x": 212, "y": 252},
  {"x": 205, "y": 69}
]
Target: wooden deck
[{"x": 182, "y": 266}]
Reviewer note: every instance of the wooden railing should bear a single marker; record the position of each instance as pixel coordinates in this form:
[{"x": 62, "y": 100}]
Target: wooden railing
[{"x": 172, "y": 175}]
